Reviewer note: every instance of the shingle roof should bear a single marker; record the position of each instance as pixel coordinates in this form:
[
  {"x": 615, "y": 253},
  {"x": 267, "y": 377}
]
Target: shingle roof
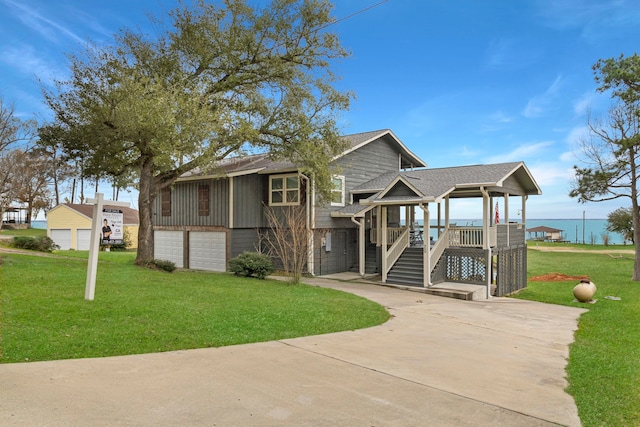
[
  {"x": 263, "y": 164},
  {"x": 129, "y": 216},
  {"x": 434, "y": 184}
]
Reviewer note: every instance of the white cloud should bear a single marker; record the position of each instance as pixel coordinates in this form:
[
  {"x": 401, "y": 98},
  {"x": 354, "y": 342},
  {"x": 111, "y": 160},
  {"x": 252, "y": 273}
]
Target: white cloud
[
  {"x": 550, "y": 174},
  {"x": 48, "y": 28},
  {"x": 522, "y": 152},
  {"x": 26, "y": 60},
  {"x": 582, "y": 105},
  {"x": 538, "y": 105}
]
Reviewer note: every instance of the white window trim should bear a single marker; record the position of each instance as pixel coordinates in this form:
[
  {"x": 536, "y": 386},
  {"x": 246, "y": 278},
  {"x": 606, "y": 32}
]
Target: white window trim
[
  {"x": 342, "y": 198},
  {"x": 284, "y": 190}
]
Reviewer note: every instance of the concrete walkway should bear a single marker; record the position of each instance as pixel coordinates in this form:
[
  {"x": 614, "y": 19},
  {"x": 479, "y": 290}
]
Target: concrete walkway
[{"x": 437, "y": 362}]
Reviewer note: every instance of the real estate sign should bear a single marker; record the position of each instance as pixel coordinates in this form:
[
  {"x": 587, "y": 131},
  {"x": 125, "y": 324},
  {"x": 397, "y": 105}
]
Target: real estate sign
[{"x": 112, "y": 227}]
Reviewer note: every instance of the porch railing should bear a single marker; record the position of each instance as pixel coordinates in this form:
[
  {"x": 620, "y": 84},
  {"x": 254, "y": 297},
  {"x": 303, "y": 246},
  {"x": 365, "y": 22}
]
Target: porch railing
[
  {"x": 392, "y": 234},
  {"x": 396, "y": 249},
  {"x": 470, "y": 237}
]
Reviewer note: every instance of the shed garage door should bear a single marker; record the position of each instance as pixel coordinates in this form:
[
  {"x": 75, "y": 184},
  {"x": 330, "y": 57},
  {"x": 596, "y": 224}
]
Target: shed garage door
[
  {"x": 168, "y": 245},
  {"x": 61, "y": 237},
  {"x": 207, "y": 250},
  {"x": 83, "y": 239}
]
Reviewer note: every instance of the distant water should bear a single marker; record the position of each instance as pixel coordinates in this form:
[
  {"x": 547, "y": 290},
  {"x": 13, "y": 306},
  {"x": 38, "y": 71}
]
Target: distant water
[
  {"x": 573, "y": 230},
  {"x": 39, "y": 224}
]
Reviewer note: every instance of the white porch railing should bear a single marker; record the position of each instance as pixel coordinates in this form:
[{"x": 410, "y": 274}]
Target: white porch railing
[
  {"x": 394, "y": 252},
  {"x": 438, "y": 248},
  {"x": 392, "y": 234},
  {"x": 470, "y": 237}
]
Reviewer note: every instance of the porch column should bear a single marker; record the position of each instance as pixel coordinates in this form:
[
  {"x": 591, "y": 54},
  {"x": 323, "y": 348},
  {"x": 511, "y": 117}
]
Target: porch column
[
  {"x": 486, "y": 218},
  {"x": 383, "y": 220},
  {"x": 362, "y": 246},
  {"x": 426, "y": 251},
  {"x": 506, "y": 217}
]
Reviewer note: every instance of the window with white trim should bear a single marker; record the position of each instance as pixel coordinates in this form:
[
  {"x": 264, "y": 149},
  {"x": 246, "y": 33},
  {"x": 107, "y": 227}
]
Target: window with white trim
[
  {"x": 284, "y": 190},
  {"x": 337, "y": 190}
]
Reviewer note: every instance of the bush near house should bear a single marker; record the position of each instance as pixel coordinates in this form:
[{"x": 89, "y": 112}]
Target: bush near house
[
  {"x": 250, "y": 264},
  {"x": 38, "y": 243}
]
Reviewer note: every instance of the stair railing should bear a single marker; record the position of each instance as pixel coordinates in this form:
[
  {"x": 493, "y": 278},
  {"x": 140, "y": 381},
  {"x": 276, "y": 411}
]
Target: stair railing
[
  {"x": 394, "y": 252},
  {"x": 438, "y": 248}
]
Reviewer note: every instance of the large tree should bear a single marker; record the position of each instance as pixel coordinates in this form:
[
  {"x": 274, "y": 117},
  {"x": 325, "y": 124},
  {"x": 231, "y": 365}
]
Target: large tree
[
  {"x": 220, "y": 80},
  {"x": 612, "y": 153},
  {"x": 14, "y": 132}
]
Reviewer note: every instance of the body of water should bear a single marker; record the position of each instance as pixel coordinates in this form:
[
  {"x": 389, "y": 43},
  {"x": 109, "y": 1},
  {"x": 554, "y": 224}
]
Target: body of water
[
  {"x": 39, "y": 224},
  {"x": 573, "y": 230},
  {"x": 590, "y": 231}
]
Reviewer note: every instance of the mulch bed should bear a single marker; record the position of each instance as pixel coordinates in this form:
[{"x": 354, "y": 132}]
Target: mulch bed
[{"x": 557, "y": 277}]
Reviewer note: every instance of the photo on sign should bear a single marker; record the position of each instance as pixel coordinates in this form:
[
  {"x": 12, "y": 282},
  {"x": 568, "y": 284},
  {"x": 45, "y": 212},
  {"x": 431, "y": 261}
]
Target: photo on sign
[{"x": 112, "y": 227}]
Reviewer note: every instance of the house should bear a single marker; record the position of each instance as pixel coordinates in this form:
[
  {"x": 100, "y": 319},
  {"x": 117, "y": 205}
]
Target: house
[
  {"x": 208, "y": 217},
  {"x": 69, "y": 225},
  {"x": 548, "y": 234}
]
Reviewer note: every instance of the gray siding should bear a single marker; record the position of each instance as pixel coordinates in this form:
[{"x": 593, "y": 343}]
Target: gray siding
[
  {"x": 343, "y": 255},
  {"x": 184, "y": 205},
  {"x": 358, "y": 167},
  {"x": 249, "y": 192},
  {"x": 243, "y": 240}
]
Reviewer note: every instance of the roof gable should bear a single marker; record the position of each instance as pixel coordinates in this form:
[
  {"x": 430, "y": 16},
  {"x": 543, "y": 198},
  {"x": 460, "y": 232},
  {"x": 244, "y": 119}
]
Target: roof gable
[
  {"x": 261, "y": 163},
  {"x": 432, "y": 185}
]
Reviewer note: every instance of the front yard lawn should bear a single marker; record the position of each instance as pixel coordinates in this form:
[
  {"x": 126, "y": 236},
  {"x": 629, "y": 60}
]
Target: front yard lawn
[
  {"x": 44, "y": 315},
  {"x": 604, "y": 361}
]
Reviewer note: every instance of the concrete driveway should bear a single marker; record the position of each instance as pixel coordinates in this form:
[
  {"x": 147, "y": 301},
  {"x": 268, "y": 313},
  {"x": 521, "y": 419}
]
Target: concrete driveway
[{"x": 437, "y": 362}]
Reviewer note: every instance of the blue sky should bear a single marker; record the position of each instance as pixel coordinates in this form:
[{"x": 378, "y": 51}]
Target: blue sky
[{"x": 459, "y": 83}]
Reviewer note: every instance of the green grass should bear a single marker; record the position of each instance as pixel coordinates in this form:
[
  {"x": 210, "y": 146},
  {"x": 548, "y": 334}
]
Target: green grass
[
  {"x": 45, "y": 316},
  {"x": 604, "y": 362},
  {"x": 585, "y": 246},
  {"x": 30, "y": 232}
]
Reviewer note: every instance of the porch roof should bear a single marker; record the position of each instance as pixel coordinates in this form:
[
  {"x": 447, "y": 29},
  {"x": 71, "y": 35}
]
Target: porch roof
[{"x": 433, "y": 185}]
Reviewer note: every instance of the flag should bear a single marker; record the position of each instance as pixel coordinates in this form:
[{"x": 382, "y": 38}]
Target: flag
[{"x": 497, "y": 219}]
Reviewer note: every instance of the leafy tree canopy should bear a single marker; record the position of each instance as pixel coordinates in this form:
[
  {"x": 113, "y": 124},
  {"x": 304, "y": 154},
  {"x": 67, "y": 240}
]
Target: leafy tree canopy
[
  {"x": 621, "y": 221},
  {"x": 219, "y": 80},
  {"x": 612, "y": 153}
]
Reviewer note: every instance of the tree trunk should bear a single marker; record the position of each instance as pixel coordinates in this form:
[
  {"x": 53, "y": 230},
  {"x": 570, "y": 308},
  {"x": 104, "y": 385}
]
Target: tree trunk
[
  {"x": 146, "y": 197},
  {"x": 636, "y": 239}
]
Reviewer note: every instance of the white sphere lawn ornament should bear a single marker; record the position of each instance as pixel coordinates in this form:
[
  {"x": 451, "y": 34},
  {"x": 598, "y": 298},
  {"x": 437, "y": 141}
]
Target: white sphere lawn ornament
[{"x": 584, "y": 291}]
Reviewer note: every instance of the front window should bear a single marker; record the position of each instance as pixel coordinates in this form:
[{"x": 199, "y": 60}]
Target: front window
[
  {"x": 284, "y": 190},
  {"x": 337, "y": 191}
]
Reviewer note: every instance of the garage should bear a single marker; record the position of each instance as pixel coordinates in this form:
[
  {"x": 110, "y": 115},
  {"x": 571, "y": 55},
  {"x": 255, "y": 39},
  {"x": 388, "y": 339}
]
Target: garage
[
  {"x": 83, "y": 239},
  {"x": 61, "y": 237},
  {"x": 168, "y": 245},
  {"x": 207, "y": 250}
]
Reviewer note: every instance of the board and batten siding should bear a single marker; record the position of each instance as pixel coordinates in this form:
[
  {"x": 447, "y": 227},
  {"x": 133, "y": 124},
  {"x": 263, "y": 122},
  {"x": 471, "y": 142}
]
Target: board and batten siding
[
  {"x": 184, "y": 205},
  {"x": 245, "y": 239},
  {"x": 249, "y": 192},
  {"x": 358, "y": 167}
]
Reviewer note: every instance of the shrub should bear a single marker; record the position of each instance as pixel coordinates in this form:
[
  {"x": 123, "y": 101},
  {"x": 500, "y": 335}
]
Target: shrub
[
  {"x": 158, "y": 264},
  {"x": 39, "y": 243},
  {"x": 251, "y": 264}
]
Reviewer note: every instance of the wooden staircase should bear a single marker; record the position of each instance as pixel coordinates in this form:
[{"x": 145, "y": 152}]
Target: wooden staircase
[{"x": 409, "y": 269}]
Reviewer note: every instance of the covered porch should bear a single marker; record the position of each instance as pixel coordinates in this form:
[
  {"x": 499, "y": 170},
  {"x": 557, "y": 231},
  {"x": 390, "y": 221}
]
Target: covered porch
[{"x": 491, "y": 254}]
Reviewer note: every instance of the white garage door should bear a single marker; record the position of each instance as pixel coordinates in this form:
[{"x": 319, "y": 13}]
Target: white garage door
[
  {"x": 168, "y": 245},
  {"x": 83, "y": 239},
  {"x": 207, "y": 250},
  {"x": 61, "y": 237}
]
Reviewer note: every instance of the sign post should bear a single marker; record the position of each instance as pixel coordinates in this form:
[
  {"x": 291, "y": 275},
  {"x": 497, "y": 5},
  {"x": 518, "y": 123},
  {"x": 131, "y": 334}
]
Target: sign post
[{"x": 96, "y": 236}]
